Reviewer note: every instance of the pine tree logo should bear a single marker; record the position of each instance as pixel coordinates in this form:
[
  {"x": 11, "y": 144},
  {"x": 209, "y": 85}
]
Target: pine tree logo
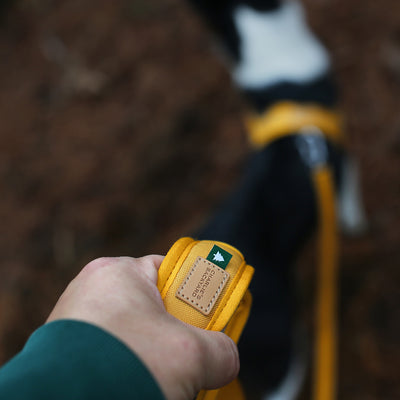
[{"x": 219, "y": 257}]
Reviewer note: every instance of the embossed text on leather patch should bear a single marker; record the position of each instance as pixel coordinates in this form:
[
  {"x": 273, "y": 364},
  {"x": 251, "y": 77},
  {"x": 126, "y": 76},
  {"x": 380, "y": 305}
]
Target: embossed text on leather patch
[{"x": 203, "y": 285}]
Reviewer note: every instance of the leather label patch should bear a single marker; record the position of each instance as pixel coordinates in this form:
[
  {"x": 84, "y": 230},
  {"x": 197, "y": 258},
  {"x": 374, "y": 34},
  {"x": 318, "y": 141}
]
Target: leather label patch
[{"x": 203, "y": 285}]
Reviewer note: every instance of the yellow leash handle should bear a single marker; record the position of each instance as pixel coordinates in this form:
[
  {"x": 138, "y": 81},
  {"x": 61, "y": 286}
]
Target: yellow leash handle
[{"x": 205, "y": 284}]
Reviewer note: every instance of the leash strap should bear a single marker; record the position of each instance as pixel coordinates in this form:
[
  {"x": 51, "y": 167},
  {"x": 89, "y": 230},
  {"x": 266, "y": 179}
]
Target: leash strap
[
  {"x": 325, "y": 363},
  {"x": 205, "y": 284},
  {"x": 287, "y": 119}
]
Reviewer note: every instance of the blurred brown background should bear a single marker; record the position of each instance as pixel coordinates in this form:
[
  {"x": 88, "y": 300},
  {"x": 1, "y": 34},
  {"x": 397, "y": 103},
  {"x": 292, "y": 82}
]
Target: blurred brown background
[{"x": 120, "y": 130}]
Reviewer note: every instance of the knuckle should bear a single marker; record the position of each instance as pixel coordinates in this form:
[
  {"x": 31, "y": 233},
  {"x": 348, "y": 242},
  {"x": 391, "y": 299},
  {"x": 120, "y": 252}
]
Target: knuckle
[
  {"x": 147, "y": 266},
  {"x": 98, "y": 263}
]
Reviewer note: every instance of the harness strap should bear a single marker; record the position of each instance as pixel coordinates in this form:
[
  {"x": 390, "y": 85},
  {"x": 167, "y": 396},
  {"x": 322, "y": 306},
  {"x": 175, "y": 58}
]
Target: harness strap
[{"x": 287, "y": 118}]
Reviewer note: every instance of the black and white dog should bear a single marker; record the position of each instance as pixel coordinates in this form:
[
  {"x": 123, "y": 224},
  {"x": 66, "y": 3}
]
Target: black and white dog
[{"x": 275, "y": 59}]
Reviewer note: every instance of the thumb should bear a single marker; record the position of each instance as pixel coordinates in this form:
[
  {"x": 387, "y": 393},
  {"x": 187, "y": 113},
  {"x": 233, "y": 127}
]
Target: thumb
[{"x": 221, "y": 359}]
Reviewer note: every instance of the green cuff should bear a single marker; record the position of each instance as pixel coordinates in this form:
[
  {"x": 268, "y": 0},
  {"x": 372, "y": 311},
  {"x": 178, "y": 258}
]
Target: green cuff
[{"x": 69, "y": 359}]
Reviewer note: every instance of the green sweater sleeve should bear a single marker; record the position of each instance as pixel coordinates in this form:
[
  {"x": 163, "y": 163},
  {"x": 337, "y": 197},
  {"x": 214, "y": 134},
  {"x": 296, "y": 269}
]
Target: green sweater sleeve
[{"x": 69, "y": 359}]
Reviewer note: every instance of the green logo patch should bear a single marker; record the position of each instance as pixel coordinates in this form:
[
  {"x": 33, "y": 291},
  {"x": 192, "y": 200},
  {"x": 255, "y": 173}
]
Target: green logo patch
[{"x": 219, "y": 257}]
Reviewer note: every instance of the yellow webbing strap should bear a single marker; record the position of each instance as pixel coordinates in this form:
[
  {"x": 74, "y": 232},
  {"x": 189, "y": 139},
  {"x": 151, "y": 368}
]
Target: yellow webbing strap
[
  {"x": 286, "y": 118},
  {"x": 326, "y": 325},
  {"x": 289, "y": 118},
  {"x": 205, "y": 284}
]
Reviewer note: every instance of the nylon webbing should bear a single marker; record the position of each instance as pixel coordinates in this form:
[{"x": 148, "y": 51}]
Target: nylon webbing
[{"x": 286, "y": 119}]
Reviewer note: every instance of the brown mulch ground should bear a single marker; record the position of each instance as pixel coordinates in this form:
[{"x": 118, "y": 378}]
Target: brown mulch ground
[{"x": 113, "y": 115}]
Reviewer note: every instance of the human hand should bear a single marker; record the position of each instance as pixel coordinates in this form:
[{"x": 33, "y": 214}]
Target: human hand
[{"x": 120, "y": 295}]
